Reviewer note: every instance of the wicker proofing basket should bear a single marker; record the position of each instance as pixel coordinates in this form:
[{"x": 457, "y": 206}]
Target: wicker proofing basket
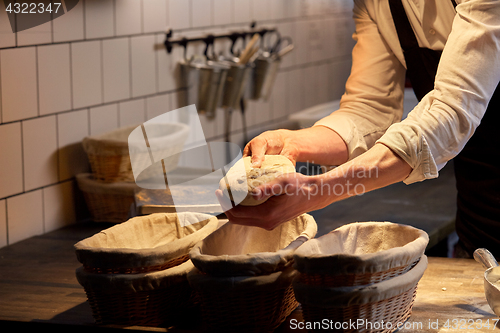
[
  {"x": 146, "y": 299},
  {"x": 145, "y": 243},
  {"x": 241, "y": 250},
  {"x": 107, "y": 202},
  {"x": 244, "y": 303},
  {"x": 360, "y": 254},
  {"x": 135, "y": 273},
  {"x": 244, "y": 274},
  {"x": 379, "y": 307},
  {"x": 108, "y": 153}
]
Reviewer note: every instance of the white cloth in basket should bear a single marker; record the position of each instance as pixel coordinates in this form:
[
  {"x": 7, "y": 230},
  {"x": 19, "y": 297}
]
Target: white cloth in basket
[
  {"x": 362, "y": 247},
  {"x": 144, "y": 241},
  {"x": 235, "y": 250}
]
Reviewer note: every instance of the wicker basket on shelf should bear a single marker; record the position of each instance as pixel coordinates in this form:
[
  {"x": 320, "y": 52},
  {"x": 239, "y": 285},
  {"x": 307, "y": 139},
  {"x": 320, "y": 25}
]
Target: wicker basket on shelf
[
  {"x": 244, "y": 275},
  {"x": 109, "y": 155},
  {"x": 107, "y": 202},
  {"x": 135, "y": 273},
  {"x": 362, "y": 271}
]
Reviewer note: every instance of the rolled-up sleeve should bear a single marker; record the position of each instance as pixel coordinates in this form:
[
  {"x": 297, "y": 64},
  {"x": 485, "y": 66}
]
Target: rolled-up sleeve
[
  {"x": 468, "y": 73},
  {"x": 373, "y": 98}
]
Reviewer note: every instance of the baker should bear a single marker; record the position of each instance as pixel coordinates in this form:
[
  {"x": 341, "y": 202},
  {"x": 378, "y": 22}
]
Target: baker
[{"x": 450, "y": 50}]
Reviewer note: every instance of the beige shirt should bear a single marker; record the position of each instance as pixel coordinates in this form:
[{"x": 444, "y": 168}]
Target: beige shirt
[{"x": 438, "y": 128}]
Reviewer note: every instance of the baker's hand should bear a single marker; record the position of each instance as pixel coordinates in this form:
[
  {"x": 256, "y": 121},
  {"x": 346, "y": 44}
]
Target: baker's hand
[
  {"x": 278, "y": 142},
  {"x": 317, "y": 144},
  {"x": 290, "y": 195}
]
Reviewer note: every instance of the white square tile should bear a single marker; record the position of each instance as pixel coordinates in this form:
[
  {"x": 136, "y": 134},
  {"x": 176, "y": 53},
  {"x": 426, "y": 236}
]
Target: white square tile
[
  {"x": 261, "y": 10},
  {"x": 18, "y": 82},
  {"x": 301, "y": 40},
  {"x": 128, "y": 17},
  {"x": 103, "y": 119},
  {"x": 155, "y": 15},
  {"x": 59, "y": 206},
  {"x": 7, "y": 37},
  {"x": 278, "y": 97},
  {"x": 295, "y": 91},
  {"x": 25, "y": 216},
  {"x": 329, "y": 38},
  {"x": 316, "y": 40},
  {"x": 132, "y": 112},
  {"x": 179, "y": 14},
  {"x": 3, "y": 223},
  {"x": 54, "y": 79},
  {"x": 40, "y": 152},
  {"x": 168, "y": 69},
  {"x": 86, "y": 73},
  {"x": 242, "y": 11},
  {"x": 41, "y": 34},
  {"x": 278, "y": 9},
  {"x": 143, "y": 65},
  {"x": 69, "y": 27},
  {"x": 311, "y": 86},
  {"x": 223, "y": 12},
  {"x": 157, "y": 105},
  {"x": 202, "y": 13},
  {"x": 116, "y": 69},
  {"x": 322, "y": 79},
  {"x": 72, "y": 127},
  {"x": 208, "y": 126},
  {"x": 99, "y": 18},
  {"x": 11, "y": 163}
]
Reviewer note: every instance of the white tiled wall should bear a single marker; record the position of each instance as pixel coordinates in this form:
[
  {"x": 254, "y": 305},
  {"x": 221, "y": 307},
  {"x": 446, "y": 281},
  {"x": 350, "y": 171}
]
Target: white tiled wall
[{"x": 103, "y": 65}]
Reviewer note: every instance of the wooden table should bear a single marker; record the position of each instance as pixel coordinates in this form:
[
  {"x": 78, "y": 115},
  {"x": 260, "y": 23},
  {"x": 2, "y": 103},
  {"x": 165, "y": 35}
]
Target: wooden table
[{"x": 38, "y": 288}]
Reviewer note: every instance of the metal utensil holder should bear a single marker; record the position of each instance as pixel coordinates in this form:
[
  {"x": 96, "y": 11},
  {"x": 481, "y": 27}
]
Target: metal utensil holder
[{"x": 236, "y": 81}]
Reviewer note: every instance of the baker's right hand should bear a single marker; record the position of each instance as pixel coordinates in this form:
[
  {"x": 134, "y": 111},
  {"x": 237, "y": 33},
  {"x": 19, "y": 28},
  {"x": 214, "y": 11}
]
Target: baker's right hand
[{"x": 278, "y": 142}]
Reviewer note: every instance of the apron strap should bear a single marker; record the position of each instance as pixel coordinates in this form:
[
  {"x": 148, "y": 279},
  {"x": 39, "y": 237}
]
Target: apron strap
[
  {"x": 407, "y": 37},
  {"x": 405, "y": 32}
]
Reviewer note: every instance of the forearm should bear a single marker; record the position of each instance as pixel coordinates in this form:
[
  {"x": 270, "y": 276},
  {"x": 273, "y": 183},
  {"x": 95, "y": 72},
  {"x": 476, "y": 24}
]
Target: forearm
[
  {"x": 320, "y": 145},
  {"x": 376, "y": 168}
]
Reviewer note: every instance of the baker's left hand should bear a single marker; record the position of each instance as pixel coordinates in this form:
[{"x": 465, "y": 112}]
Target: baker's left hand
[{"x": 290, "y": 195}]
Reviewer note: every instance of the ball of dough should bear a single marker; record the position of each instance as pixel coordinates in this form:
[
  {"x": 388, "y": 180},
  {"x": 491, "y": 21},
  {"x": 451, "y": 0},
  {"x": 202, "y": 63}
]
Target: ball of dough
[{"x": 242, "y": 178}]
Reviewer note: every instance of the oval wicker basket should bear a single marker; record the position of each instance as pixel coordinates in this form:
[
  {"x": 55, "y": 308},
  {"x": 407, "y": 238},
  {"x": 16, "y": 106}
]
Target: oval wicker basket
[
  {"x": 109, "y": 156},
  {"x": 107, "y": 202},
  {"x": 145, "y": 243},
  {"x": 145, "y": 299},
  {"x": 360, "y": 254},
  {"x": 235, "y": 250},
  {"x": 379, "y": 307},
  {"x": 255, "y": 304}
]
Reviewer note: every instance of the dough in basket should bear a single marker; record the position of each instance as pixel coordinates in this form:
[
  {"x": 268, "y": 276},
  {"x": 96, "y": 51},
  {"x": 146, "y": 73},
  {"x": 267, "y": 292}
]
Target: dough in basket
[{"x": 242, "y": 178}]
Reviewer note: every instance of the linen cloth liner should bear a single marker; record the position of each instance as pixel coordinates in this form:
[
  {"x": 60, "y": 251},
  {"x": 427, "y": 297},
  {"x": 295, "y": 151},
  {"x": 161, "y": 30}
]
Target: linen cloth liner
[
  {"x": 87, "y": 184},
  {"x": 362, "y": 247},
  {"x": 145, "y": 240},
  {"x": 228, "y": 284},
  {"x": 116, "y": 142},
  {"x": 134, "y": 282},
  {"x": 328, "y": 297},
  {"x": 248, "y": 251}
]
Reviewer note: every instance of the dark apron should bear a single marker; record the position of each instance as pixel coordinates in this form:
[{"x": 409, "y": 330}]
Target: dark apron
[{"x": 477, "y": 167}]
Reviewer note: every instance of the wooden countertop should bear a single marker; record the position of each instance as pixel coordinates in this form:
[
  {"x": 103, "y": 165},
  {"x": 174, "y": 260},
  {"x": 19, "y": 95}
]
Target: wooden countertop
[{"x": 38, "y": 286}]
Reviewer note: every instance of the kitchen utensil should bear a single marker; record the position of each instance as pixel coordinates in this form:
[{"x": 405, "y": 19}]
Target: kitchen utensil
[
  {"x": 266, "y": 69},
  {"x": 491, "y": 278},
  {"x": 205, "y": 81},
  {"x": 249, "y": 50},
  {"x": 236, "y": 81}
]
